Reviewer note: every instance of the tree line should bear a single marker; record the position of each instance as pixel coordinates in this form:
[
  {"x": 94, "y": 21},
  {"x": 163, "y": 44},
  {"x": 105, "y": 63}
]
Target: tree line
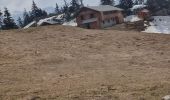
[{"x": 69, "y": 10}]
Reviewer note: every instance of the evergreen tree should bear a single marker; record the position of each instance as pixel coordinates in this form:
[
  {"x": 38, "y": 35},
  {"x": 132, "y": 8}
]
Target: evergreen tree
[
  {"x": 126, "y": 4},
  {"x": 37, "y": 13},
  {"x": 74, "y": 6},
  {"x": 44, "y": 13},
  {"x": 67, "y": 14},
  {"x": 34, "y": 11},
  {"x": 26, "y": 18},
  {"x": 138, "y": 2},
  {"x": 20, "y": 22},
  {"x": 161, "y": 6},
  {"x": 57, "y": 10},
  {"x": 107, "y": 2},
  {"x": 81, "y": 3},
  {"x": 8, "y": 20},
  {"x": 1, "y": 19}
]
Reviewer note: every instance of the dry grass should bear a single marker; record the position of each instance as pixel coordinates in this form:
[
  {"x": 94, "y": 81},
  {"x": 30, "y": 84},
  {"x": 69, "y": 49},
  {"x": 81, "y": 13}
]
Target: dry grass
[{"x": 67, "y": 63}]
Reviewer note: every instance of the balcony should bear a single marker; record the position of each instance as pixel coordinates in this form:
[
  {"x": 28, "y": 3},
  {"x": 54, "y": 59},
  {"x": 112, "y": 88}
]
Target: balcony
[{"x": 89, "y": 20}]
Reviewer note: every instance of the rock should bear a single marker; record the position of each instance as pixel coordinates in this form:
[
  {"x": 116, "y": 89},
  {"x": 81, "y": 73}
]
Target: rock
[{"x": 166, "y": 97}]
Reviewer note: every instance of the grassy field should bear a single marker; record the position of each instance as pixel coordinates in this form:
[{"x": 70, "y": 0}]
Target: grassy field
[{"x": 68, "y": 63}]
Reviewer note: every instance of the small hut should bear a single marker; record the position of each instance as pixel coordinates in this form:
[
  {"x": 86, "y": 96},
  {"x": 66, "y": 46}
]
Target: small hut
[
  {"x": 141, "y": 11},
  {"x": 144, "y": 14}
]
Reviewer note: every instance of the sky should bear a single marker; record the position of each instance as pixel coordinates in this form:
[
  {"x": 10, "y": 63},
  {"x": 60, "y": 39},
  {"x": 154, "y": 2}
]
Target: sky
[{"x": 19, "y": 5}]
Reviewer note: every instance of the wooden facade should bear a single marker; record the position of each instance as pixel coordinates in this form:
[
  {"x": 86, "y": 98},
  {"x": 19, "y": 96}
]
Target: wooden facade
[{"x": 95, "y": 19}]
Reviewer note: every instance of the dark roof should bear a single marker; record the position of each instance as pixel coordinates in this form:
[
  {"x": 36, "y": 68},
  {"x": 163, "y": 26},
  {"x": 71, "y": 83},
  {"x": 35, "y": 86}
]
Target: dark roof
[{"x": 103, "y": 8}]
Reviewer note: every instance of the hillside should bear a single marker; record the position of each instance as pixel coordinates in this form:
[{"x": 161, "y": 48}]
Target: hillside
[{"x": 68, "y": 63}]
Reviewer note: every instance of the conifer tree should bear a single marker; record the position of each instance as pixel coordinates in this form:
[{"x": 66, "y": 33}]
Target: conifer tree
[
  {"x": 26, "y": 18},
  {"x": 161, "y": 6},
  {"x": 126, "y": 4},
  {"x": 8, "y": 20},
  {"x": 81, "y": 3},
  {"x": 74, "y": 6},
  {"x": 36, "y": 12},
  {"x": 107, "y": 2},
  {"x": 20, "y": 22},
  {"x": 57, "y": 10},
  {"x": 1, "y": 19}
]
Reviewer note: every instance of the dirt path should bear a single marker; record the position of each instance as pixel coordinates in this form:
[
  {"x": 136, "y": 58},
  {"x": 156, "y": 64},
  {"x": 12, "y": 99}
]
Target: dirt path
[{"x": 67, "y": 63}]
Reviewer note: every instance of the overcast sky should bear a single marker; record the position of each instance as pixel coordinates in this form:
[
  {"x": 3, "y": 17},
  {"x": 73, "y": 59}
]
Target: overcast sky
[{"x": 19, "y": 5}]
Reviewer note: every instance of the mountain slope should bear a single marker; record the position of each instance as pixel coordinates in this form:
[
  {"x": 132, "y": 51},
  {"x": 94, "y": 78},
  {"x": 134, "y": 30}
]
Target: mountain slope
[{"x": 68, "y": 63}]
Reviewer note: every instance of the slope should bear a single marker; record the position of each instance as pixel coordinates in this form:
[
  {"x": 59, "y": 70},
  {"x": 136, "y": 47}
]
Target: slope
[{"x": 68, "y": 63}]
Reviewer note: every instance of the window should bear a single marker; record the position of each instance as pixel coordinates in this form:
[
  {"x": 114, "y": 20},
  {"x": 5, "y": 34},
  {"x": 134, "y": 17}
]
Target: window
[
  {"x": 103, "y": 22},
  {"x": 91, "y": 15},
  {"x": 113, "y": 19},
  {"x": 108, "y": 20},
  {"x": 82, "y": 17}
]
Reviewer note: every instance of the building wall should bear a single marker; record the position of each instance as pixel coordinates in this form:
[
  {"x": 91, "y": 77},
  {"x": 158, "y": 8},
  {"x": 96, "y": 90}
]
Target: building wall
[
  {"x": 104, "y": 19},
  {"x": 111, "y": 19},
  {"x": 108, "y": 23},
  {"x": 86, "y": 14}
]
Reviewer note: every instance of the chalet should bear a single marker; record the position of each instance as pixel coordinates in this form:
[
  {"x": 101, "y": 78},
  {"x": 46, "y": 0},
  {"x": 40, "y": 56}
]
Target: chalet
[
  {"x": 97, "y": 17},
  {"x": 141, "y": 11}
]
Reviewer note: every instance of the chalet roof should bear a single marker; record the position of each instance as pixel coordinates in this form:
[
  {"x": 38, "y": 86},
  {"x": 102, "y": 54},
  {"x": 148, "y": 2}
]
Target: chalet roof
[{"x": 103, "y": 8}]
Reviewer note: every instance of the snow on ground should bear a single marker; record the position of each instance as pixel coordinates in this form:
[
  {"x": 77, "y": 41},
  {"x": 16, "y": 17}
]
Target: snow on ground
[
  {"x": 160, "y": 24},
  {"x": 30, "y": 24},
  {"x": 51, "y": 20},
  {"x": 132, "y": 18},
  {"x": 70, "y": 23}
]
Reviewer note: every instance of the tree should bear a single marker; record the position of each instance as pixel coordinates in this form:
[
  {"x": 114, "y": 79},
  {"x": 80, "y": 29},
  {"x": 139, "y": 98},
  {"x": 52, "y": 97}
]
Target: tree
[
  {"x": 161, "y": 6},
  {"x": 126, "y": 4},
  {"x": 74, "y": 6},
  {"x": 26, "y": 18},
  {"x": 1, "y": 19},
  {"x": 67, "y": 14},
  {"x": 107, "y": 2},
  {"x": 81, "y": 3},
  {"x": 20, "y": 22},
  {"x": 138, "y": 2},
  {"x": 57, "y": 10},
  {"x": 36, "y": 12},
  {"x": 8, "y": 20}
]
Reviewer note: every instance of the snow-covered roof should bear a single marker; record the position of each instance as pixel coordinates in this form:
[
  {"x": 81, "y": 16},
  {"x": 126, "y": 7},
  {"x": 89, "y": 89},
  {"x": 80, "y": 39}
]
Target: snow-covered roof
[
  {"x": 145, "y": 10},
  {"x": 138, "y": 7},
  {"x": 103, "y": 8},
  {"x": 30, "y": 24},
  {"x": 132, "y": 18}
]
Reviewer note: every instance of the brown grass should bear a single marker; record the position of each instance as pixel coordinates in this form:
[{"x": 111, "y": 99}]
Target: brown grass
[{"x": 67, "y": 63}]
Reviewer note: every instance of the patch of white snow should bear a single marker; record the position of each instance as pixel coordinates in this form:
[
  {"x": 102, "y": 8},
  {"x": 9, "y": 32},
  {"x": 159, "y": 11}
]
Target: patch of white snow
[
  {"x": 160, "y": 24},
  {"x": 132, "y": 18}
]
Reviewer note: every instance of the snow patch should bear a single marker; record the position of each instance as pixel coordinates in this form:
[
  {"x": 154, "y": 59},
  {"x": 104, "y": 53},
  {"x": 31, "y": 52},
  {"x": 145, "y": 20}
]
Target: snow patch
[
  {"x": 30, "y": 24},
  {"x": 160, "y": 24},
  {"x": 132, "y": 18},
  {"x": 70, "y": 23}
]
